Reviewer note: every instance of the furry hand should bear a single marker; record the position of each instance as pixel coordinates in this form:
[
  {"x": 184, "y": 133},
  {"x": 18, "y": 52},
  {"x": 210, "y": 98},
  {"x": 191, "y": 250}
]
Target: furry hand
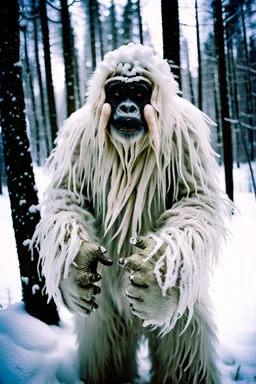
[
  {"x": 144, "y": 294},
  {"x": 78, "y": 289}
]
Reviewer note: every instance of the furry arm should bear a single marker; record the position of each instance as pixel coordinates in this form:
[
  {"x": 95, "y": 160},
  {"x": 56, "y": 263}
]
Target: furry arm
[
  {"x": 193, "y": 229},
  {"x": 59, "y": 235}
]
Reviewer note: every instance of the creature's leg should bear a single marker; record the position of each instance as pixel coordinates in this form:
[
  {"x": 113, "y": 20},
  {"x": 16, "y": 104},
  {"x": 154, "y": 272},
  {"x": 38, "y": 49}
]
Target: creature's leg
[
  {"x": 187, "y": 358},
  {"x": 107, "y": 348}
]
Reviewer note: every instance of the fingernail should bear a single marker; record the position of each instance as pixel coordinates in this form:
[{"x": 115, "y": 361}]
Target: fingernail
[
  {"x": 95, "y": 277},
  {"x": 134, "y": 240},
  {"x": 109, "y": 261},
  {"x": 96, "y": 290},
  {"x": 94, "y": 307},
  {"x": 75, "y": 264},
  {"x": 123, "y": 262},
  {"x": 102, "y": 250}
]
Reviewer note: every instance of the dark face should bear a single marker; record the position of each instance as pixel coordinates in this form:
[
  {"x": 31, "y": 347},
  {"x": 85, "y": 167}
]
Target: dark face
[{"x": 127, "y": 102}]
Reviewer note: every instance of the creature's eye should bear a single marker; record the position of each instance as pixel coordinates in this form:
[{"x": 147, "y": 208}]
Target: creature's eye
[
  {"x": 141, "y": 94},
  {"x": 116, "y": 94}
]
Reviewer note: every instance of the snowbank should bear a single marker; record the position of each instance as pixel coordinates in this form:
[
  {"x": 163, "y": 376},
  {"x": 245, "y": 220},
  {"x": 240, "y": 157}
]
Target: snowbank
[{"x": 32, "y": 352}]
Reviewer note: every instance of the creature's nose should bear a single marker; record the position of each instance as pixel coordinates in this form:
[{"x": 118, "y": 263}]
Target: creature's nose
[{"x": 128, "y": 108}]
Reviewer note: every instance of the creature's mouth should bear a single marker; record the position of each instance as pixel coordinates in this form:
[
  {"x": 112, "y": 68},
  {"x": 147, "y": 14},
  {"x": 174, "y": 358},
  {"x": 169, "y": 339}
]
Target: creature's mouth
[
  {"x": 126, "y": 129},
  {"x": 127, "y": 125}
]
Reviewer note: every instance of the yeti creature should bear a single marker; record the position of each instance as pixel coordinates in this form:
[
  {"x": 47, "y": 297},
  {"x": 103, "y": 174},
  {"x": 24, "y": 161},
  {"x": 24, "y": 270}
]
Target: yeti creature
[{"x": 134, "y": 175}]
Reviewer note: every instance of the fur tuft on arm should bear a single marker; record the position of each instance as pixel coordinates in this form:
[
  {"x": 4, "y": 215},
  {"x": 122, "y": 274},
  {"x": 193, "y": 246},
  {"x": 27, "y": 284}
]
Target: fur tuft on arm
[{"x": 59, "y": 235}]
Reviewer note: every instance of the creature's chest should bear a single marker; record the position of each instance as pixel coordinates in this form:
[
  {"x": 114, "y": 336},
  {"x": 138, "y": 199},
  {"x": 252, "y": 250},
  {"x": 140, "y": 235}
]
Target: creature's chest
[{"x": 124, "y": 222}]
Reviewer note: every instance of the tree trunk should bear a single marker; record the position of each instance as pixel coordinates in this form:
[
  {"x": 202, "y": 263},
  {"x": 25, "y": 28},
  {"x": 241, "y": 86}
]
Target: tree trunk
[
  {"x": 41, "y": 90},
  {"x": 227, "y": 137},
  {"x": 1, "y": 165},
  {"x": 233, "y": 97},
  {"x": 113, "y": 24},
  {"x": 190, "y": 80},
  {"x": 241, "y": 129},
  {"x": 140, "y": 21},
  {"x": 171, "y": 35},
  {"x": 92, "y": 32},
  {"x": 200, "y": 98},
  {"x": 248, "y": 87},
  {"x": 48, "y": 71},
  {"x": 217, "y": 113},
  {"x": 68, "y": 50},
  {"x": 21, "y": 184},
  {"x": 34, "y": 129},
  {"x": 127, "y": 23},
  {"x": 76, "y": 73},
  {"x": 98, "y": 21}
]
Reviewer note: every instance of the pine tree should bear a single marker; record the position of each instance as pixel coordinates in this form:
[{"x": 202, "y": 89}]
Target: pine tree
[
  {"x": 29, "y": 78},
  {"x": 68, "y": 52},
  {"x": 20, "y": 178},
  {"x": 171, "y": 35},
  {"x": 48, "y": 70},
  {"x": 227, "y": 137},
  {"x": 91, "y": 6},
  {"x": 128, "y": 22},
  {"x": 43, "y": 120},
  {"x": 113, "y": 24},
  {"x": 200, "y": 77},
  {"x": 1, "y": 164}
]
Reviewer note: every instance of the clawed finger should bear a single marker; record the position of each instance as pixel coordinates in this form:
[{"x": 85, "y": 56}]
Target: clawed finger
[
  {"x": 95, "y": 254},
  {"x": 134, "y": 298},
  {"x": 137, "y": 293},
  {"x": 149, "y": 246},
  {"x": 138, "y": 280},
  {"x": 133, "y": 262},
  {"x": 133, "y": 295},
  {"x": 87, "y": 278},
  {"x": 80, "y": 304},
  {"x": 99, "y": 253},
  {"x": 95, "y": 278},
  {"x": 105, "y": 260},
  {"x": 79, "y": 309},
  {"x": 87, "y": 293},
  {"x": 138, "y": 313},
  {"x": 142, "y": 242}
]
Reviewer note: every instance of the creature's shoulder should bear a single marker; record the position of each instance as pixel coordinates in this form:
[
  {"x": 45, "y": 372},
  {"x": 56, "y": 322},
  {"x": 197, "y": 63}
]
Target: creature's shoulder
[
  {"x": 77, "y": 123},
  {"x": 184, "y": 106},
  {"x": 189, "y": 118}
]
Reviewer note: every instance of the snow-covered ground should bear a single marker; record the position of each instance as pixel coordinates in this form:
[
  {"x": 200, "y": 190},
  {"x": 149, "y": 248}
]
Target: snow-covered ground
[{"x": 34, "y": 353}]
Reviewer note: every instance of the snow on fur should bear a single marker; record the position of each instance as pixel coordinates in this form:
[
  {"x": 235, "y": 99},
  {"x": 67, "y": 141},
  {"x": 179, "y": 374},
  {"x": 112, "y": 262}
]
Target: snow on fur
[{"x": 127, "y": 190}]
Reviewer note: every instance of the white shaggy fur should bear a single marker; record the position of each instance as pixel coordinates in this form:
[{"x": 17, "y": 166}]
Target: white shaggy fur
[{"x": 106, "y": 190}]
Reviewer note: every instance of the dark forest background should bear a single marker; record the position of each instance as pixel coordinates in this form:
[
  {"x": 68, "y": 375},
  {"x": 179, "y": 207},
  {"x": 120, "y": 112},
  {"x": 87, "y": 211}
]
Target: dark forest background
[{"x": 49, "y": 50}]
